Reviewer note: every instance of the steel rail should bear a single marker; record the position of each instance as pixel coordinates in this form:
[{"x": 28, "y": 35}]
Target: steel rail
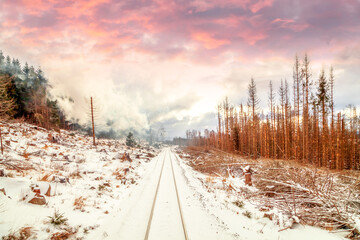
[
  {"x": 153, "y": 205},
  {"x": 178, "y": 200},
  {"x": 155, "y": 198}
]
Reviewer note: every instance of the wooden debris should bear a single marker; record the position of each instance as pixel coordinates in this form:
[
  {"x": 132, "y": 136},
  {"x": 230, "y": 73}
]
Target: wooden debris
[
  {"x": 248, "y": 172},
  {"x": 126, "y": 157},
  {"x": 38, "y": 199},
  {"x": 60, "y": 179},
  {"x": 48, "y": 192}
]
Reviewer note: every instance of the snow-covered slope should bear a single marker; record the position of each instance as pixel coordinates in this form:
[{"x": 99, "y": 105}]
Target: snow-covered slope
[
  {"x": 68, "y": 174},
  {"x": 228, "y": 214}
]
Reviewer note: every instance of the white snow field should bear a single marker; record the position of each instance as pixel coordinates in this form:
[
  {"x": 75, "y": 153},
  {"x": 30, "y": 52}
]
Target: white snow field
[
  {"x": 205, "y": 215},
  {"x": 86, "y": 181},
  {"x": 159, "y": 198}
]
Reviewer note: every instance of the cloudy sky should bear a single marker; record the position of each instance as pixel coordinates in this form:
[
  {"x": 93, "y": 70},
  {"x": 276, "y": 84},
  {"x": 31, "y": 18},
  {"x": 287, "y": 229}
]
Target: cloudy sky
[{"x": 170, "y": 62}]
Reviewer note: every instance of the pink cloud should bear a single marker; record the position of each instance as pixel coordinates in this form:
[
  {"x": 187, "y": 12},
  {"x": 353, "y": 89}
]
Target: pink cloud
[
  {"x": 77, "y": 8},
  {"x": 231, "y": 21},
  {"x": 260, "y": 5},
  {"x": 10, "y": 23},
  {"x": 290, "y": 24},
  {"x": 35, "y": 7},
  {"x": 210, "y": 27},
  {"x": 202, "y": 5},
  {"x": 250, "y": 30},
  {"x": 251, "y": 37},
  {"x": 209, "y": 41}
]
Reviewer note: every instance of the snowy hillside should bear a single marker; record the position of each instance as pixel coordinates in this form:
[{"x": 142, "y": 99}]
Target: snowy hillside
[{"x": 62, "y": 174}]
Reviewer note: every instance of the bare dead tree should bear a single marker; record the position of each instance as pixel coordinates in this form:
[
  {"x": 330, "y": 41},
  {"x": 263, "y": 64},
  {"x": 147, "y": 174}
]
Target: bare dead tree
[
  {"x": 332, "y": 124},
  {"x": 92, "y": 120},
  {"x": 92, "y": 116},
  {"x": 219, "y": 126},
  {"x": 272, "y": 118},
  {"x": 302, "y": 130},
  {"x": 306, "y": 93},
  {"x": 253, "y": 102},
  {"x": 297, "y": 84}
]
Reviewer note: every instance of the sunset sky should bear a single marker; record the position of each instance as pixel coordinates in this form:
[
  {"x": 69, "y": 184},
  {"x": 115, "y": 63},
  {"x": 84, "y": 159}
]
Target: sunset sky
[{"x": 162, "y": 62}]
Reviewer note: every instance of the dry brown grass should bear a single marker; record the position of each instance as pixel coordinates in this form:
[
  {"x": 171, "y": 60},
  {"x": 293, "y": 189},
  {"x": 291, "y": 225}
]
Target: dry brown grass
[
  {"x": 211, "y": 161},
  {"x": 46, "y": 177},
  {"x": 17, "y": 165},
  {"x": 118, "y": 173},
  {"x": 57, "y": 166},
  {"x": 25, "y": 155},
  {"x": 99, "y": 178},
  {"x": 79, "y": 203},
  {"x": 63, "y": 235},
  {"x": 23, "y": 233},
  {"x": 75, "y": 174}
]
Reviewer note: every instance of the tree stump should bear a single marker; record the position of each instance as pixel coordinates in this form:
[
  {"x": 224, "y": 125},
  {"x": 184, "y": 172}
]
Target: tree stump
[
  {"x": 38, "y": 200},
  {"x": 248, "y": 172},
  {"x": 248, "y": 179}
]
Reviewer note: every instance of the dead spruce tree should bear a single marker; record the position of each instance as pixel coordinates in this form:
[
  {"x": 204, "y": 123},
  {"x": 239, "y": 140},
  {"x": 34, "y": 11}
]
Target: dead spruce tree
[
  {"x": 92, "y": 115},
  {"x": 253, "y": 102},
  {"x": 306, "y": 129},
  {"x": 272, "y": 119}
]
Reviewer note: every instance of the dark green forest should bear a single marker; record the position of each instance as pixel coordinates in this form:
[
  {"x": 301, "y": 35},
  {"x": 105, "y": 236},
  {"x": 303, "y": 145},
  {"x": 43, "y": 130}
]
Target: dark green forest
[{"x": 25, "y": 95}]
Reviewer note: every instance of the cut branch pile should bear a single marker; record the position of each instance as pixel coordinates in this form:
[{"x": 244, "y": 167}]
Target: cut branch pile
[
  {"x": 17, "y": 165},
  {"x": 317, "y": 198},
  {"x": 313, "y": 196}
]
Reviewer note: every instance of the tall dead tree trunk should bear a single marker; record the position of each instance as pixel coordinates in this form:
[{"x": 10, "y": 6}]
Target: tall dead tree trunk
[
  {"x": 297, "y": 83},
  {"x": 242, "y": 130},
  {"x": 2, "y": 148},
  {"x": 92, "y": 120},
  {"x": 314, "y": 149},
  {"x": 286, "y": 124},
  {"x": 253, "y": 101},
  {"x": 323, "y": 99},
  {"x": 332, "y": 124},
  {"x": 272, "y": 119},
  {"x": 344, "y": 160},
  {"x": 219, "y": 130},
  {"x": 353, "y": 129},
  {"x": 338, "y": 143},
  {"x": 226, "y": 131},
  {"x": 306, "y": 75}
]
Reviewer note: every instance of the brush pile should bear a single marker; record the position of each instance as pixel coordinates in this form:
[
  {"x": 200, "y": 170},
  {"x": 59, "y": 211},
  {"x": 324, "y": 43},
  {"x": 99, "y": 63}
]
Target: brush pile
[{"x": 286, "y": 190}]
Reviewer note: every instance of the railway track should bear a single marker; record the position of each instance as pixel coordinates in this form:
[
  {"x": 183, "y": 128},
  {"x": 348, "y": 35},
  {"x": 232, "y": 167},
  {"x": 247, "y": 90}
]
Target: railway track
[{"x": 169, "y": 169}]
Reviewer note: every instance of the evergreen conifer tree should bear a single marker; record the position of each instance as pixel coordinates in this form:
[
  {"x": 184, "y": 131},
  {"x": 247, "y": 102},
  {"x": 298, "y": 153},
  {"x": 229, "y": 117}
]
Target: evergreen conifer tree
[{"x": 130, "y": 140}]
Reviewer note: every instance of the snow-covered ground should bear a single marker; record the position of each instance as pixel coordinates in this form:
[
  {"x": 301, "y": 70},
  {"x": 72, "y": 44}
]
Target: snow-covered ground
[
  {"x": 106, "y": 197},
  {"x": 208, "y": 213},
  {"x": 86, "y": 182},
  {"x": 209, "y": 206}
]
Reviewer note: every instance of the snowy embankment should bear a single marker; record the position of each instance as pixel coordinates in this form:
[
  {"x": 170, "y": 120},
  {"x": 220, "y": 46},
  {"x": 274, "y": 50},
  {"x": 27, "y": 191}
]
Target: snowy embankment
[
  {"x": 58, "y": 185},
  {"x": 209, "y": 210},
  {"x": 232, "y": 215}
]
